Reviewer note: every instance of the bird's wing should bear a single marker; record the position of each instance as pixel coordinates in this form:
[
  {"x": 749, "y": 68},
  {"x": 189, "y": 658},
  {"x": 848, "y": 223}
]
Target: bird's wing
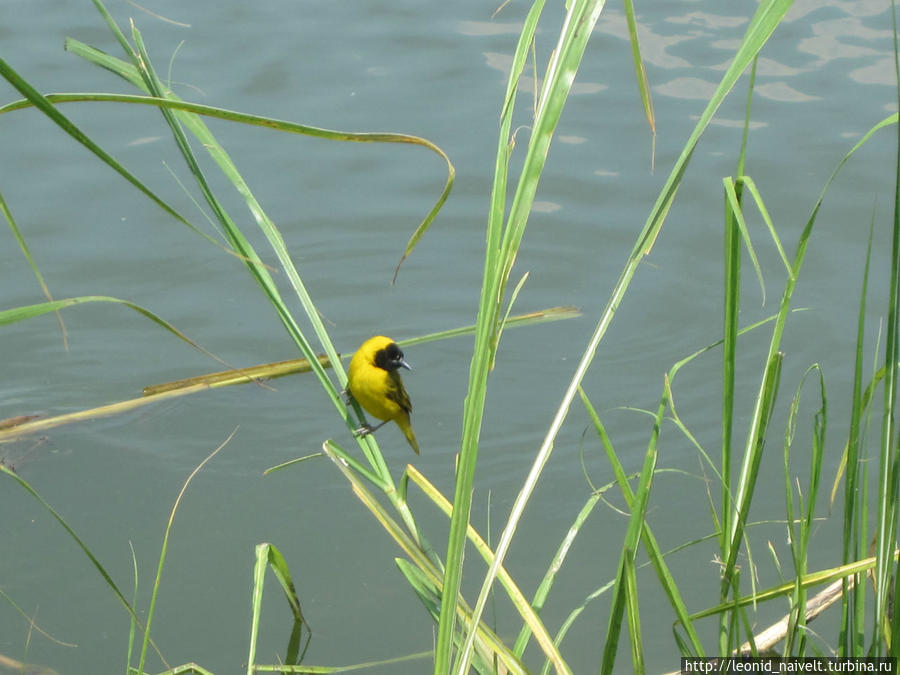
[{"x": 397, "y": 393}]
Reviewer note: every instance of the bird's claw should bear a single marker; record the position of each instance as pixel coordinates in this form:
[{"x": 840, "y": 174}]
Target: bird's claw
[{"x": 364, "y": 430}]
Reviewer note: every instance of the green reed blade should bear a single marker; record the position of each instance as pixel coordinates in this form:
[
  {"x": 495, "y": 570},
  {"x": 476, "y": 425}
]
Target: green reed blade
[
  {"x": 44, "y": 105},
  {"x": 164, "y": 548},
  {"x": 640, "y": 75},
  {"x": 854, "y": 498},
  {"x": 631, "y": 543},
  {"x": 17, "y": 233}
]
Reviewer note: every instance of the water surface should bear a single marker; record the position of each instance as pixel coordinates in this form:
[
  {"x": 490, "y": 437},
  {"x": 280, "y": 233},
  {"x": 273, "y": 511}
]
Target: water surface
[{"x": 436, "y": 70}]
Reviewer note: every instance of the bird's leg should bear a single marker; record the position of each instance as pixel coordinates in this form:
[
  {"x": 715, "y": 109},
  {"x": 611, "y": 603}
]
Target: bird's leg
[{"x": 367, "y": 429}]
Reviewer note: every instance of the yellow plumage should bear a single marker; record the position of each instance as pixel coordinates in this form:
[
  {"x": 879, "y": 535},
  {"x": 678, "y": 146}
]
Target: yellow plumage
[{"x": 376, "y": 385}]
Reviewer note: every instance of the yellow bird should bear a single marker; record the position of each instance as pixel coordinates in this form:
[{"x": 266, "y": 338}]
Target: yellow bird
[{"x": 376, "y": 385}]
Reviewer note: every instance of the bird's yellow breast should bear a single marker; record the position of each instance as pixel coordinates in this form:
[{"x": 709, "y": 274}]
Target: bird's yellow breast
[{"x": 370, "y": 387}]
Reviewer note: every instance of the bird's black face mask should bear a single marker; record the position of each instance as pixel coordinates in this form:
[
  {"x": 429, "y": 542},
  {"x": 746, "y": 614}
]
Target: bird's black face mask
[{"x": 391, "y": 358}]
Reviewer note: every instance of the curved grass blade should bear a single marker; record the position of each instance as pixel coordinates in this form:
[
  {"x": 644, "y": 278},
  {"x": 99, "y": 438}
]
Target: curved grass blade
[
  {"x": 31, "y": 424},
  {"x": 132, "y": 74},
  {"x": 96, "y": 563},
  {"x": 574, "y": 614},
  {"x": 46, "y": 107},
  {"x": 165, "y": 545},
  {"x": 12, "y": 603},
  {"x": 8, "y": 316},
  {"x": 17, "y": 233},
  {"x": 737, "y": 212},
  {"x": 747, "y": 182},
  {"x": 269, "y": 556}
]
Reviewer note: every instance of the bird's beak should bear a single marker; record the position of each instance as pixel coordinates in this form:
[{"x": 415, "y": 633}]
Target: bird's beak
[{"x": 404, "y": 364}]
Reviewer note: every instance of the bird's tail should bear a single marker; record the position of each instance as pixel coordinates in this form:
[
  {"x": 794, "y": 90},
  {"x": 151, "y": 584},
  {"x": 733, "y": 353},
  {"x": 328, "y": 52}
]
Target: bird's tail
[{"x": 407, "y": 430}]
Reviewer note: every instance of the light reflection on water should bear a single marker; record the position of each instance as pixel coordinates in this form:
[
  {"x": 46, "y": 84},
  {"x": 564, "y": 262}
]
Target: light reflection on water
[{"x": 850, "y": 37}]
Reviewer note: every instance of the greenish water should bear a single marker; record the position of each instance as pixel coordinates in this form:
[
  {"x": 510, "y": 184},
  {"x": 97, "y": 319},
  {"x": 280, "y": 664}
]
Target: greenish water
[{"x": 346, "y": 211}]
